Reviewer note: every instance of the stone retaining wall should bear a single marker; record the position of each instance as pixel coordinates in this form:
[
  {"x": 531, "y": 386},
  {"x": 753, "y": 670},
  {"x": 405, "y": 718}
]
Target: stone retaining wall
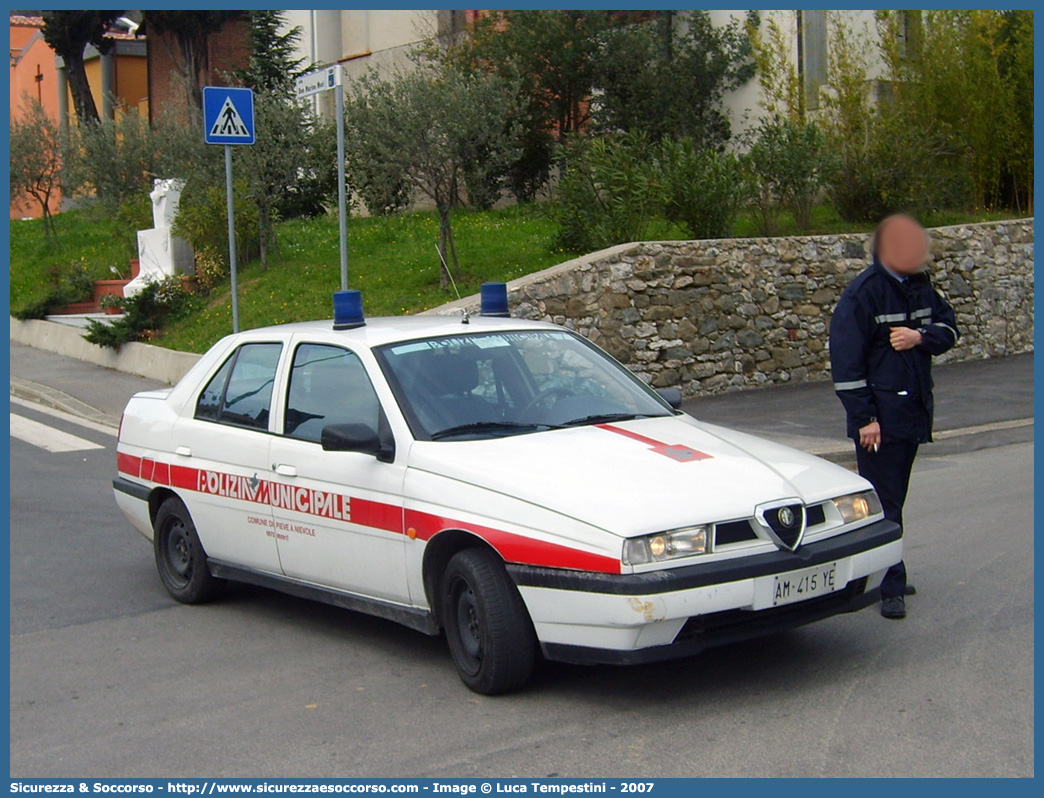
[{"x": 712, "y": 316}]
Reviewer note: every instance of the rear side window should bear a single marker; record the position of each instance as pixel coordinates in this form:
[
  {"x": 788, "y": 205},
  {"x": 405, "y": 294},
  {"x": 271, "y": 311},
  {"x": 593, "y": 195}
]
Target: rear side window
[
  {"x": 328, "y": 385},
  {"x": 240, "y": 393}
]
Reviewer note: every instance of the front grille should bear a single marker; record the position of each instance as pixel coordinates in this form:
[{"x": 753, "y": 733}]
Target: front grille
[
  {"x": 815, "y": 515},
  {"x": 734, "y": 621},
  {"x": 787, "y": 522},
  {"x": 733, "y": 532}
]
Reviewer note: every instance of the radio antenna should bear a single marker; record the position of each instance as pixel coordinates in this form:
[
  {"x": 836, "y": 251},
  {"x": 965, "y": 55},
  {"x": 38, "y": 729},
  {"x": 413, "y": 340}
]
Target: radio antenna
[{"x": 465, "y": 319}]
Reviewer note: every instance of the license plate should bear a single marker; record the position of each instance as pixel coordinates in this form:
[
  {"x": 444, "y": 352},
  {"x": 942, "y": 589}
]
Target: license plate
[{"x": 805, "y": 584}]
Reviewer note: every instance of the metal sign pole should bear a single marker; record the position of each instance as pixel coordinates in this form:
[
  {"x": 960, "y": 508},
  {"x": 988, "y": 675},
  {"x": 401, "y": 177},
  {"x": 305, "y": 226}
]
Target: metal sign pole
[
  {"x": 228, "y": 119},
  {"x": 309, "y": 85},
  {"x": 342, "y": 201},
  {"x": 231, "y": 238}
]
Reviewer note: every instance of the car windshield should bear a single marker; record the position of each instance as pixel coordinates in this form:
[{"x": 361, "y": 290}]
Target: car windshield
[{"x": 486, "y": 385}]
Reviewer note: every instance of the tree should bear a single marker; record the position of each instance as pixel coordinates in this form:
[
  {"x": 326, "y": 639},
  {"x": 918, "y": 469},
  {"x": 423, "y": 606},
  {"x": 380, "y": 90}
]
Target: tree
[
  {"x": 113, "y": 160},
  {"x": 1016, "y": 67},
  {"x": 272, "y": 66},
  {"x": 36, "y": 160},
  {"x": 276, "y": 161},
  {"x": 667, "y": 76},
  {"x": 781, "y": 91},
  {"x": 68, "y": 33},
  {"x": 272, "y": 165},
  {"x": 427, "y": 129},
  {"x": 954, "y": 79},
  {"x": 551, "y": 55},
  {"x": 191, "y": 30}
]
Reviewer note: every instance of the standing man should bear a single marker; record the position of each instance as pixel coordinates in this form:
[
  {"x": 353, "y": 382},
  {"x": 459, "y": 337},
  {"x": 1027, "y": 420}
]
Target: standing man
[{"x": 886, "y": 327}]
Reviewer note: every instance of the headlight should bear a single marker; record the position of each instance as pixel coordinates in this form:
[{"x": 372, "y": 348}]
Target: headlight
[
  {"x": 687, "y": 542},
  {"x": 858, "y": 506}
]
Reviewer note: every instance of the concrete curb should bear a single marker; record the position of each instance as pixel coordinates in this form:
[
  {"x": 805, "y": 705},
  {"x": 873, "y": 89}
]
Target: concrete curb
[
  {"x": 153, "y": 362},
  {"x": 845, "y": 455},
  {"x": 59, "y": 400}
]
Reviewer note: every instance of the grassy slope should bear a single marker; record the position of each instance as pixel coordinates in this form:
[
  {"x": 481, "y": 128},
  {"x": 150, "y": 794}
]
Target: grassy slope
[
  {"x": 95, "y": 241},
  {"x": 391, "y": 260}
]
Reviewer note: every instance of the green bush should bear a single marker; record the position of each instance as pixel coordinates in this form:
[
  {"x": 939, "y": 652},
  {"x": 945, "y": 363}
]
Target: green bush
[
  {"x": 608, "y": 192},
  {"x": 703, "y": 187},
  {"x": 65, "y": 285},
  {"x": 211, "y": 269},
  {"x": 202, "y": 220},
  {"x": 144, "y": 314},
  {"x": 789, "y": 164}
]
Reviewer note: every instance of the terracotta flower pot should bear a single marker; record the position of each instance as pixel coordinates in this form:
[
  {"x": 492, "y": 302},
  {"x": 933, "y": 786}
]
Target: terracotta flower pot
[{"x": 108, "y": 287}]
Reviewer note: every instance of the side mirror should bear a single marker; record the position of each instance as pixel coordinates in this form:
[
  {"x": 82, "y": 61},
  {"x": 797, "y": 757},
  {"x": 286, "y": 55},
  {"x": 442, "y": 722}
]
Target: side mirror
[
  {"x": 360, "y": 438},
  {"x": 672, "y": 396}
]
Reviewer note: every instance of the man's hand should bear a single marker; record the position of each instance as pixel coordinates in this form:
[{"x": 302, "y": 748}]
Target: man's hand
[
  {"x": 903, "y": 338},
  {"x": 870, "y": 436}
]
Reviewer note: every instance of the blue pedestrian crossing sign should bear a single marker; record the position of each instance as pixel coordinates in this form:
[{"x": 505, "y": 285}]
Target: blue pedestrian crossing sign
[{"x": 228, "y": 115}]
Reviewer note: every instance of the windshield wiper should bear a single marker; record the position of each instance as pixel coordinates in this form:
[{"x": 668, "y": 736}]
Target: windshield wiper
[
  {"x": 604, "y": 418},
  {"x": 487, "y": 426}
]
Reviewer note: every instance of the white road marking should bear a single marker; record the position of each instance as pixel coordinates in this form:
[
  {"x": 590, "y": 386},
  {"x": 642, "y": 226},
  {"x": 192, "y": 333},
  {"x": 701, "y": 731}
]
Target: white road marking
[
  {"x": 48, "y": 438},
  {"x": 56, "y": 413}
]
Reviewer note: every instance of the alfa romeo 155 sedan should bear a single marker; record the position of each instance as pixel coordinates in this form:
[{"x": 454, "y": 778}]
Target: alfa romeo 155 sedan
[{"x": 504, "y": 482}]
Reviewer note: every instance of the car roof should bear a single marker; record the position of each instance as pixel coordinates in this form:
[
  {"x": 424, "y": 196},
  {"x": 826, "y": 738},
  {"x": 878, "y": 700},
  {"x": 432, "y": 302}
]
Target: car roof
[{"x": 379, "y": 331}]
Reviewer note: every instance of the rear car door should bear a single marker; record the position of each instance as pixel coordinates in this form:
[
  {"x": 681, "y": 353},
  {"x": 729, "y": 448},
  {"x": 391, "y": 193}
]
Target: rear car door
[
  {"x": 338, "y": 515},
  {"x": 221, "y": 458}
]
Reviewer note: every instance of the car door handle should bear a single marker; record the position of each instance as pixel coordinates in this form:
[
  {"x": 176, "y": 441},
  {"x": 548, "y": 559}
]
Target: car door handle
[
  {"x": 285, "y": 470},
  {"x": 184, "y": 451}
]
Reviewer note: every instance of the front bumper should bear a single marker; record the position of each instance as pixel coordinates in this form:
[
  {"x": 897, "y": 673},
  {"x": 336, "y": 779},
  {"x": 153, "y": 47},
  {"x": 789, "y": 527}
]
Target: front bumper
[{"x": 634, "y": 618}]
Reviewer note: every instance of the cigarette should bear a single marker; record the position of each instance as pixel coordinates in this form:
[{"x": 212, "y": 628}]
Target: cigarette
[{"x": 877, "y": 447}]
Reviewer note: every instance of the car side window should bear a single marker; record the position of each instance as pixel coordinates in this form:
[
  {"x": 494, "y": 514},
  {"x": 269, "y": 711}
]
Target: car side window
[
  {"x": 328, "y": 385},
  {"x": 240, "y": 393}
]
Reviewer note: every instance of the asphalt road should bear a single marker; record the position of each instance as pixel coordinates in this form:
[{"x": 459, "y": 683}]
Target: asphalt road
[{"x": 110, "y": 677}]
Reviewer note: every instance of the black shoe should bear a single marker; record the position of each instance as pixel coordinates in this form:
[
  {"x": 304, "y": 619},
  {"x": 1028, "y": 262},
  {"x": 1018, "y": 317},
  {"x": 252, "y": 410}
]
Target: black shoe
[
  {"x": 910, "y": 590},
  {"x": 893, "y": 607}
]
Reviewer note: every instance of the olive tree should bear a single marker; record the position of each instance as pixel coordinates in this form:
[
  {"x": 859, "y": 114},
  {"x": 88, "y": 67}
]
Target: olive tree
[
  {"x": 431, "y": 131},
  {"x": 36, "y": 160}
]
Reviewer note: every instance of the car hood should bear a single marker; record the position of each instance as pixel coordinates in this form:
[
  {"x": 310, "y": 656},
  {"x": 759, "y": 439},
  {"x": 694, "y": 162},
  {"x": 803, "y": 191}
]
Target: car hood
[{"x": 640, "y": 476}]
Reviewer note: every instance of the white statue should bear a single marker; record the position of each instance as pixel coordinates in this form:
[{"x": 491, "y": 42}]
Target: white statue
[
  {"x": 161, "y": 254},
  {"x": 165, "y": 196}
]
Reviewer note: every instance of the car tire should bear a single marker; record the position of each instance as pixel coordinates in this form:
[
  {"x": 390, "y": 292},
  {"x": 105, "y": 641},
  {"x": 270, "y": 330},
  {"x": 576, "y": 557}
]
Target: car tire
[
  {"x": 490, "y": 634},
  {"x": 180, "y": 558}
]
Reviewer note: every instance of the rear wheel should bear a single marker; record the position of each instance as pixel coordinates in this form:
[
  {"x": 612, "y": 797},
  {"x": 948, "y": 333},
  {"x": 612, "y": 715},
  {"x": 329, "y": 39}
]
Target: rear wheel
[
  {"x": 180, "y": 559},
  {"x": 487, "y": 626}
]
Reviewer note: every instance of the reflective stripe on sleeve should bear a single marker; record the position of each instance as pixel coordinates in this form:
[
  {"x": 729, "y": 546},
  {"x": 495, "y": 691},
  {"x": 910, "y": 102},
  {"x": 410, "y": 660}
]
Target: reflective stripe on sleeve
[
  {"x": 887, "y": 318},
  {"x": 945, "y": 327},
  {"x": 849, "y": 386},
  {"x": 921, "y": 313}
]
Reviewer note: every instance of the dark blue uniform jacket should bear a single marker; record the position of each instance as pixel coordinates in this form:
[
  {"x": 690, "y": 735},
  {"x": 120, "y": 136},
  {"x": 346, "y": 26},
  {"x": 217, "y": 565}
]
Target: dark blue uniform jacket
[{"x": 872, "y": 379}]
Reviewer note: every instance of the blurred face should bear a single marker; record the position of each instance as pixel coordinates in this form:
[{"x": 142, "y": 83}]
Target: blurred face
[{"x": 902, "y": 245}]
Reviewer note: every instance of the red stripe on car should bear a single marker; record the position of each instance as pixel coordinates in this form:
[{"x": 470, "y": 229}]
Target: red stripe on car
[{"x": 675, "y": 451}]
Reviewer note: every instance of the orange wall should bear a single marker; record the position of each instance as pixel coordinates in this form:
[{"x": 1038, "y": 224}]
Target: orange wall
[
  {"x": 131, "y": 76},
  {"x": 23, "y": 73},
  {"x": 24, "y": 68},
  {"x": 131, "y": 87}
]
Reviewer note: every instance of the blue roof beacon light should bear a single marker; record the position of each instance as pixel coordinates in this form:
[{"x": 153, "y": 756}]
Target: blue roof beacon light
[
  {"x": 494, "y": 299},
  {"x": 348, "y": 311}
]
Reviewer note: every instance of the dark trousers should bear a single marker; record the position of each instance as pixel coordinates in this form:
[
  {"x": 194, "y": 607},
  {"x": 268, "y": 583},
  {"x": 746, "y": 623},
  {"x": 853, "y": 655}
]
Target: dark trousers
[{"x": 888, "y": 470}]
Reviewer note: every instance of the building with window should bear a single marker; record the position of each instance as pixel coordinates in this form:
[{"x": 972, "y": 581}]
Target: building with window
[
  {"x": 383, "y": 40},
  {"x": 118, "y": 80}
]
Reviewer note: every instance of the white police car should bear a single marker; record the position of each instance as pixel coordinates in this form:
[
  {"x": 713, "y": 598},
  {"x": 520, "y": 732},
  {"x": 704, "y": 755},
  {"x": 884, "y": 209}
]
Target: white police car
[{"x": 504, "y": 481}]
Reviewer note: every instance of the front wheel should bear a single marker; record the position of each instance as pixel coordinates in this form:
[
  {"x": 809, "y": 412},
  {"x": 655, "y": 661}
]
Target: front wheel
[
  {"x": 487, "y": 626},
  {"x": 180, "y": 559}
]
